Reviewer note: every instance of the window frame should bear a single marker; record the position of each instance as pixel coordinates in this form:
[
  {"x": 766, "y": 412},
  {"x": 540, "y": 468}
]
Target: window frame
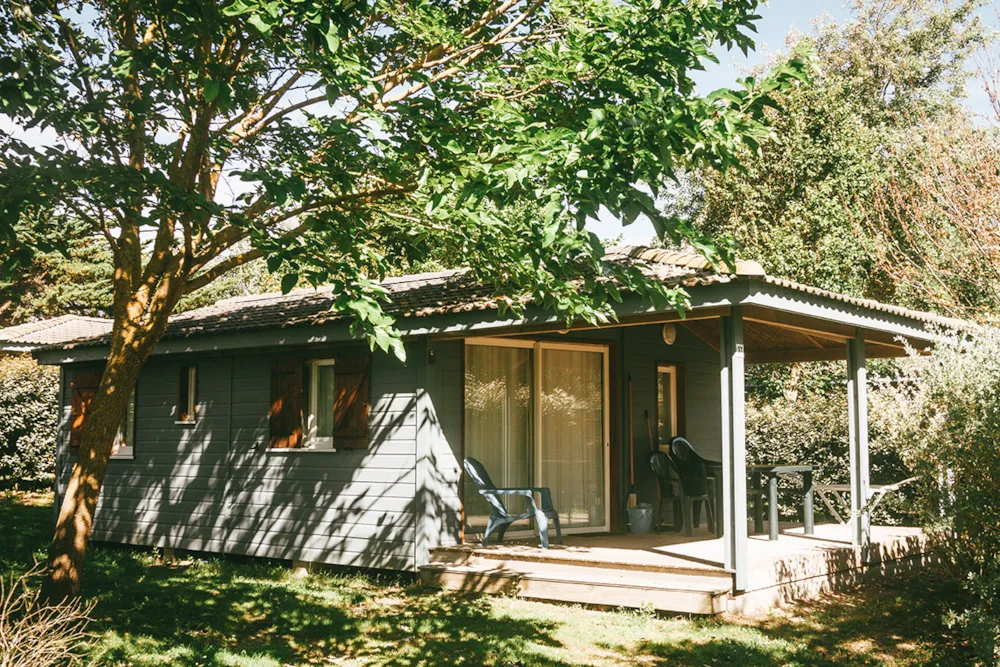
[
  {"x": 126, "y": 434},
  {"x": 192, "y": 402},
  {"x": 672, "y": 369},
  {"x": 311, "y": 440}
]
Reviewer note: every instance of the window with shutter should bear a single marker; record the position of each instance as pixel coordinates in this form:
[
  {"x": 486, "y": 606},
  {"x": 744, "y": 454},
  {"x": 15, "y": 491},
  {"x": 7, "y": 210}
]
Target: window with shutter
[
  {"x": 286, "y": 404},
  {"x": 83, "y": 387},
  {"x": 336, "y": 401}
]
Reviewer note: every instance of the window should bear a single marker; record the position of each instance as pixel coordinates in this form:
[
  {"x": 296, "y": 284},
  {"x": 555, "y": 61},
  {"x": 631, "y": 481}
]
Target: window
[
  {"x": 328, "y": 396},
  {"x": 322, "y": 389},
  {"x": 186, "y": 395},
  {"x": 124, "y": 447},
  {"x": 84, "y": 389},
  {"x": 667, "y": 412}
]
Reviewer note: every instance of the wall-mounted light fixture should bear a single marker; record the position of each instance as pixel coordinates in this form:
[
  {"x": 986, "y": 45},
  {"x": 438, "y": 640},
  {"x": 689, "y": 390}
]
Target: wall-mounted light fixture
[{"x": 669, "y": 333}]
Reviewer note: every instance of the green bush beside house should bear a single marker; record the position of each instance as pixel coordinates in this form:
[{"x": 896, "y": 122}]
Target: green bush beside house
[{"x": 29, "y": 420}]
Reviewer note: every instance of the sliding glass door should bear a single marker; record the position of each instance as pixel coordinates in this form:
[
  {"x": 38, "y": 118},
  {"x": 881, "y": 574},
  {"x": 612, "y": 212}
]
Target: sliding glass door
[{"x": 536, "y": 414}]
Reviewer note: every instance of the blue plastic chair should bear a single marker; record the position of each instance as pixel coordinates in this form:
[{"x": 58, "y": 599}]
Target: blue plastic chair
[{"x": 500, "y": 518}]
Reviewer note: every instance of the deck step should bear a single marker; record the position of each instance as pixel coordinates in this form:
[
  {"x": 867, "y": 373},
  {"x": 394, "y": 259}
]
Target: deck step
[
  {"x": 616, "y": 560},
  {"x": 686, "y": 594}
]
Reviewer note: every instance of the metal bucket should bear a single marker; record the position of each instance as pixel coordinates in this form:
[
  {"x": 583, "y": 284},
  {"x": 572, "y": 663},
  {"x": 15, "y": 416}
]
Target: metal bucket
[{"x": 640, "y": 519}]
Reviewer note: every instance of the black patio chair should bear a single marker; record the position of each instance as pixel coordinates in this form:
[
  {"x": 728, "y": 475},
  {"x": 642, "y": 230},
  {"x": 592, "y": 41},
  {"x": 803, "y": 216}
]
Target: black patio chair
[
  {"x": 697, "y": 486},
  {"x": 500, "y": 519},
  {"x": 668, "y": 489}
]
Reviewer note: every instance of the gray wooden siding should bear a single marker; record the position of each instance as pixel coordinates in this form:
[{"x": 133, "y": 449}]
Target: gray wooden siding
[
  {"x": 172, "y": 492},
  {"x": 215, "y": 486},
  {"x": 439, "y": 447}
]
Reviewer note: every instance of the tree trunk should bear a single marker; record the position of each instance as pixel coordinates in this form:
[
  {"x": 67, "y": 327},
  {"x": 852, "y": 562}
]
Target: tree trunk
[{"x": 130, "y": 347}]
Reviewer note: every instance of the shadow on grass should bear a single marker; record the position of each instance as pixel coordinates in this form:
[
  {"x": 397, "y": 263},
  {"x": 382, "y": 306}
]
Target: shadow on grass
[
  {"x": 254, "y": 613},
  {"x": 231, "y": 613},
  {"x": 26, "y": 522},
  {"x": 225, "y": 612},
  {"x": 896, "y": 622}
]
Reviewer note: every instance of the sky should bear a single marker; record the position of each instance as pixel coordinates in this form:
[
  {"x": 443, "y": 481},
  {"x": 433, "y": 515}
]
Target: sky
[{"x": 778, "y": 18}]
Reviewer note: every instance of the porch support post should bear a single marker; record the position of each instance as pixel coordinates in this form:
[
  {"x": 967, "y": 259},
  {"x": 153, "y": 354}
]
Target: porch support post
[
  {"x": 857, "y": 405},
  {"x": 734, "y": 460}
]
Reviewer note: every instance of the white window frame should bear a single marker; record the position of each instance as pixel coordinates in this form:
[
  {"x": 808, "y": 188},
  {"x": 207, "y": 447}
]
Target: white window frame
[
  {"x": 124, "y": 445},
  {"x": 671, "y": 370},
  {"x": 312, "y": 440},
  {"x": 192, "y": 380}
]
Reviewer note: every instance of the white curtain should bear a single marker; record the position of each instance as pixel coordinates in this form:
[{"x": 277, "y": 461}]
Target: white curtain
[
  {"x": 572, "y": 434},
  {"x": 498, "y": 425}
]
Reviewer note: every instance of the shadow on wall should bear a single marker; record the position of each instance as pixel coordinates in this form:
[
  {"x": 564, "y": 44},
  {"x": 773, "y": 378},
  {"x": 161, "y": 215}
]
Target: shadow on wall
[{"x": 189, "y": 488}]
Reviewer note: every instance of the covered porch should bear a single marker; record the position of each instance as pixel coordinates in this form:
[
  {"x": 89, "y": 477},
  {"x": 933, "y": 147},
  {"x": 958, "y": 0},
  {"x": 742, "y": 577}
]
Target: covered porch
[{"x": 634, "y": 386}]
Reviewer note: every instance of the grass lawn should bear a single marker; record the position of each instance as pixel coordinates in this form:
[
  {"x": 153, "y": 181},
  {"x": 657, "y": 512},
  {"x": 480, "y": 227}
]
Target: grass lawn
[{"x": 221, "y": 612}]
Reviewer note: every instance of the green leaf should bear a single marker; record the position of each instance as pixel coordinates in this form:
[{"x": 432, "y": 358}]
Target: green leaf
[
  {"x": 211, "y": 90},
  {"x": 288, "y": 282},
  {"x": 332, "y": 38},
  {"x": 260, "y": 23}
]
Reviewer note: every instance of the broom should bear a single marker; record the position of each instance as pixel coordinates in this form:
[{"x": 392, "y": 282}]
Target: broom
[
  {"x": 649, "y": 432},
  {"x": 632, "y": 499}
]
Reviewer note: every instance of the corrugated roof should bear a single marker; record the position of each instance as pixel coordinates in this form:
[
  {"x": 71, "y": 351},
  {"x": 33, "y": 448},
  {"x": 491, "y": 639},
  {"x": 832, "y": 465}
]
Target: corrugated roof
[
  {"x": 930, "y": 318},
  {"x": 455, "y": 291}
]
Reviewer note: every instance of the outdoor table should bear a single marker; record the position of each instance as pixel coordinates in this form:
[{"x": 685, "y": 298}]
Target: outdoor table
[{"x": 770, "y": 472}]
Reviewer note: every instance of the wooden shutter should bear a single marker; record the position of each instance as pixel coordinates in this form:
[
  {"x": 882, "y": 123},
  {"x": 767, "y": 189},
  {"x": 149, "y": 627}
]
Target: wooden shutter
[
  {"x": 286, "y": 403},
  {"x": 83, "y": 388},
  {"x": 352, "y": 378}
]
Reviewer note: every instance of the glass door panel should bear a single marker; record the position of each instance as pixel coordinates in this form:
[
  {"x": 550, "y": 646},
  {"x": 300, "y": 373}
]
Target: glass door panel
[
  {"x": 571, "y": 434},
  {"x": 498, "y": 425},
  {"x": 666, "y": 404}
]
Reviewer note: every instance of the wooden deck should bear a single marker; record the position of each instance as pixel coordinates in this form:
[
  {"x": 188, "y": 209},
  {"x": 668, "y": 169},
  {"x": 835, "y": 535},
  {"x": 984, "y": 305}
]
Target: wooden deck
[{"x": 675, "y": 573}]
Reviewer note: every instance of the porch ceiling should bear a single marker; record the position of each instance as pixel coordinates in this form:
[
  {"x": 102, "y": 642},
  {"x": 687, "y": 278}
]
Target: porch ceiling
[{"x": 773, "y": 336}]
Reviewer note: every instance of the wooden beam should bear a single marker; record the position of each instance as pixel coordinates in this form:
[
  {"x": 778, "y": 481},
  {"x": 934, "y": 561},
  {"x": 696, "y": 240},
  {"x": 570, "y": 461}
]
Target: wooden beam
[
  {"x": 800, "y": 323},
  {"x": 812, "y": 339},
  {"x": 791, "y": 356},
  {"x": 694, "y": 314},
  {"x": 811, "y": 354},
  {"x": 824, "y": 329}
]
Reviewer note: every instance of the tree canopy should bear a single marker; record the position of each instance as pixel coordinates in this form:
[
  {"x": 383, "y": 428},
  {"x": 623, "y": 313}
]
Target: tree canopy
[
  {"x": 335, "y": 140},
  {"x": 799, "y": 204},
  {"x": 327, "y": 136}
]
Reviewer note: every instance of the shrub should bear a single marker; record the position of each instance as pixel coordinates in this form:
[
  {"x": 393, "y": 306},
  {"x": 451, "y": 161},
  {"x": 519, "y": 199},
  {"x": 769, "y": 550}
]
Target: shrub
[
  {"x": 949, "y": 424},
  {"x": 29, "y": 417},
  {"x": 809, "y": 425},
  {"x": 37, "y": 635}
]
